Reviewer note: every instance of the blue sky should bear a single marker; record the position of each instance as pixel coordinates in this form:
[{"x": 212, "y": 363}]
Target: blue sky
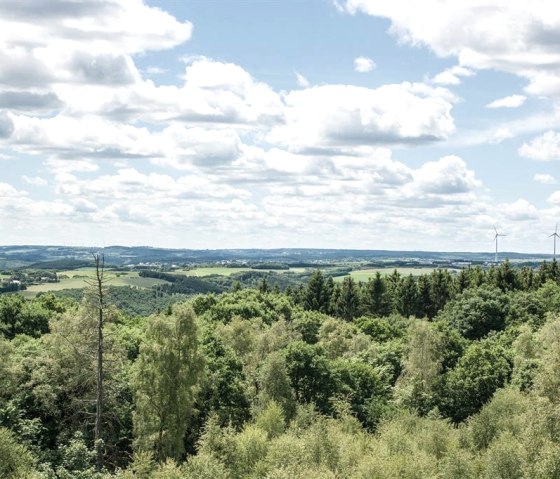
[{"x": 320, "y": 123}]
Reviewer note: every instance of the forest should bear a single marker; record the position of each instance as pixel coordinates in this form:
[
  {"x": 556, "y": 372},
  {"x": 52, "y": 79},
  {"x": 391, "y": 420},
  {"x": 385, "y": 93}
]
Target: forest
[{"x": 437, "y": 376}]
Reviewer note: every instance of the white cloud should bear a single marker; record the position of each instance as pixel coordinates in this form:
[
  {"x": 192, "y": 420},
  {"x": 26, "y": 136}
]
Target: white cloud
[
  {"x": 213, "y": 92},
  {"x": 452, "y": 76},
  {"x": 88, "y": 137},
  {"x": 520, "y": 210},
  {"x": 512, "y": 101},
  {"x": 554, "y": 198},
  {"x": 6, "y": 125},
  {"x": 81, "y": 41},
  {"x": 34, "y": 180},
  {"x": 449, "y": 175},
  {"x": 69, "y": 166},
  {"x": 129, "y": 183},
  {"x": 302, "y": 81},
  {"x": 184, "y": 147},
  {"x": 218, "y": 157},
  {"x": 500, "y": 134},
  {"x": 542, "y": 148},
  {"x": 337, "y": 115},
  {"x": 512, "y": 36},
  {"x": 8, "y": 191},
  {"x": 364, "y": 64},
  {"x": 152, "y": 70},
  {"x": 544, "y": 178}
]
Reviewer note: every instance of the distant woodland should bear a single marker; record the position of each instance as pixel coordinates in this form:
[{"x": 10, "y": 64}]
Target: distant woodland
[{"x": 439, "y": 375}]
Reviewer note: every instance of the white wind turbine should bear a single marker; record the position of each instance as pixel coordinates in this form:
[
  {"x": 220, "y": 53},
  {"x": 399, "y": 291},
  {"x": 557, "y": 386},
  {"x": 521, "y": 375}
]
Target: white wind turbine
[
  {"x": 555, "y": 235},
  {"x": 496, "y": 240}
]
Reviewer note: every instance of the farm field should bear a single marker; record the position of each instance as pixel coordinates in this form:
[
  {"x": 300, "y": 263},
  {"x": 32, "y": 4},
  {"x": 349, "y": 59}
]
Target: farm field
[
  {"x": 221, "y": 271},
  {"x": 365, "y": 274},
  {"x": 75, "y": 279}
]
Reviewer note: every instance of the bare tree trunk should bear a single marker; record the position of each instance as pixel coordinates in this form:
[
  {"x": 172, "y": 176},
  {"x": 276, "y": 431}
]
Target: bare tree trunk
[{"x": 99, "y": 270}]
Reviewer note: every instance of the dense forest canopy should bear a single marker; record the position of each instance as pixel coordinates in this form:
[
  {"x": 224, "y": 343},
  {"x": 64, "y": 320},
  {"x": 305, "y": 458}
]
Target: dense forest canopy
[{"x": 439, "y": 375}]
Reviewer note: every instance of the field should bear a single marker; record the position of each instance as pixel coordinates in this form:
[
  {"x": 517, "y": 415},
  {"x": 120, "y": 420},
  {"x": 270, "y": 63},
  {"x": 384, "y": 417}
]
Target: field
[
  {"x": 365, "y": 274},
  {"x": 221, "y": 271},
  {"x": 76, "y": 279}
]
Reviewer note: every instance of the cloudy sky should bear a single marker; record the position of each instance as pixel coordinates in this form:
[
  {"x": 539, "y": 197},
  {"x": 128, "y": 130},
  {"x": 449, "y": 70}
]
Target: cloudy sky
[{"x": 280, "y": 123}]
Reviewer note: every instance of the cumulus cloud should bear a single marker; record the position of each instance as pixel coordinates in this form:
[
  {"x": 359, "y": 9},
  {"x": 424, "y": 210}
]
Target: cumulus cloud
[
  {"x": 63, "y": 41},
  {"x": 449, "y": 175},
  {"x": 520, "y": 210},
  {"x": 29, "y": 101},
  {"x": 218, "y": 156},
  {"x": 338, "y": 115},
  {"x": 554, "y": 198},
  {"x": 512, "y": 101},
  {"x": 544, "y": 178},
  {"x": 6, "y": 125},
  {"x": 363, "y": 64},
  {"x": 129, "y": 183},
  {"x": 302, "y": 81},
  {"x": 105, "y": 25},
  {"x": 212, "y": 92},
  {"x": 453, "y": 75},
  {"x": 34, "y": 180},
  {"x": 542, "y": 148},
  {"x": 198, "y": 146},
  {"x": 515, "y": 37},
  {"x": 500, "y": 134},
  {"x": 8, "y": 191}
]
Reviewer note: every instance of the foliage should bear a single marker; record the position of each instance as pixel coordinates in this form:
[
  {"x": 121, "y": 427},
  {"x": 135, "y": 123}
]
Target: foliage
[
  {"x": 15, "y": 460},
  {"x": 434, "y": 376},
  {"x": 164, "y": 378}
]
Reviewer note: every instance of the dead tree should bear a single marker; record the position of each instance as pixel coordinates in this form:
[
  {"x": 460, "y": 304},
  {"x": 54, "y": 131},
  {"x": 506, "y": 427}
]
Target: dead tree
[{"x": 97, "y": 286}]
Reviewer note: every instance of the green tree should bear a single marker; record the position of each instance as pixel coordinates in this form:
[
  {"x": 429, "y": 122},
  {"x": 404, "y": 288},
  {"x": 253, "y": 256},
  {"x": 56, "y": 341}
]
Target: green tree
[
  {"x": 348, "y": 303},
  {"x": 440, "y": 291},
  {"x": 505, "y": 277},
  {"x": 15, "y": 460},
  {"x": 274, "y": 385},
  {"x": 316, "y": 298},
  {"x": 462, "y": 281},
  {"x": 406, "y": 297},
  {"x": 424, "y": 297},
  {"x": 223, "y": 391},
  {"x": 483, "y": 369},
  {"x": 476, "y": 312},
  {"x": 165, "y": 377},
  {"x": 20, "y": 316},
  {"x": 375, "y": 300},
  {"x": 310, "y": 374},
  {"x": 421, "y": 367}
]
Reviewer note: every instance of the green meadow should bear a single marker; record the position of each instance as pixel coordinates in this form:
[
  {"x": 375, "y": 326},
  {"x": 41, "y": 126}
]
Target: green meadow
[
  {"x": 76, "y": 279},
  {"x": 365, "y": 274},
  {"x": 223, "y": 271}
]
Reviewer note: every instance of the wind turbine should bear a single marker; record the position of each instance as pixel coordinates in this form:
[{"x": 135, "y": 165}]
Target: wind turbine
[
  {"x": 555, "y": 235},
  {"x": 496, "y": 240}
]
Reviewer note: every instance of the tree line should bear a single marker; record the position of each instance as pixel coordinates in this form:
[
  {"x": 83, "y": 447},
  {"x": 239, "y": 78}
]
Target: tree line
[{"x": 421, "y": 296}]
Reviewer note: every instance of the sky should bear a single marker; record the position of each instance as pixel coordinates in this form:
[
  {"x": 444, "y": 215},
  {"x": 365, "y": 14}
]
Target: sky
[{"x": 364, "y": 124}]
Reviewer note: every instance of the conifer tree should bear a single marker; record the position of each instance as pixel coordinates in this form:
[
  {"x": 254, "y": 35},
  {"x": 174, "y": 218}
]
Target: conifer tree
[{"x": 315, "y": 293}]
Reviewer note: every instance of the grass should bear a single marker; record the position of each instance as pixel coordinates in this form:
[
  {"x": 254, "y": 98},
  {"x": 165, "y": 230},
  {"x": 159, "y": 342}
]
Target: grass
[
  {"x": 76, "y": 279},
  {"x": 365, "y": 274},
  {"x": 222, "y": 271}
]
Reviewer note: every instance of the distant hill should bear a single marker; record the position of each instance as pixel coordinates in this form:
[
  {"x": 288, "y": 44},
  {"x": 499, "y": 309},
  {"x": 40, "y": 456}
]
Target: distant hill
[{"x": 52, "y": 257}]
